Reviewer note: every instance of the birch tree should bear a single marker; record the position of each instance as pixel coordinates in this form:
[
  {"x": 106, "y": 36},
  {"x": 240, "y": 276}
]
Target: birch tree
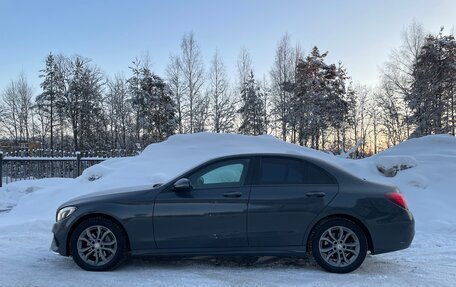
[
  {"x": 193, "y": 72},
  {"x": 222, "y": 104}
]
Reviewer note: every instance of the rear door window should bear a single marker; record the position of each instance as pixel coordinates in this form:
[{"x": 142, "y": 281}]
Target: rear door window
[{"x": 278, "y": 171}]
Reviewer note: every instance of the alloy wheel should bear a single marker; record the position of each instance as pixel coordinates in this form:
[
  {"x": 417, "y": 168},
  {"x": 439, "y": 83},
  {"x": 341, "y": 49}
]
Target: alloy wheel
[{"x": 97, "y": 245}]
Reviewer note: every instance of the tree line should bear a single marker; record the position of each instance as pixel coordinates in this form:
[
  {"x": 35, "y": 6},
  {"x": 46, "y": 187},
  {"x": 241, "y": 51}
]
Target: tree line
[{"x": 304, "y": 100}]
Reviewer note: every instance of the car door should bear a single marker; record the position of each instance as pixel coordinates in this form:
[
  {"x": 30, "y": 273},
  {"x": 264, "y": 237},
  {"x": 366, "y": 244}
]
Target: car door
[
  {"x": 212, "y": 214},
  {"x": 287, "y": 195}
]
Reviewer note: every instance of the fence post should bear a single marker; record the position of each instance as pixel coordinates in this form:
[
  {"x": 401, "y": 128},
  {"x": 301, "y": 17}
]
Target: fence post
[
  {"x": 78, "y": 163},
  {"x": 1, "y": 168}
]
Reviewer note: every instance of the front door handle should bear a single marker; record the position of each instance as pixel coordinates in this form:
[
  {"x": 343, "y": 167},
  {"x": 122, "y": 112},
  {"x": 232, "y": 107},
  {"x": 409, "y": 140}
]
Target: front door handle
[
  {"x": 233, "y": 194},
  {"x": 315, "y": 194}
]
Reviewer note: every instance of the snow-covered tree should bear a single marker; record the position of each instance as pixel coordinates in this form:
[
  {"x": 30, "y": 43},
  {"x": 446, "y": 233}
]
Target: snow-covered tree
[
  {"x": 433, "y": 89},
  {"x": 321, "y": 99},
  {"x": 152, "y": 102},
  {"x": 83, "y": 105},
  {"x": 252, "y": 108}
]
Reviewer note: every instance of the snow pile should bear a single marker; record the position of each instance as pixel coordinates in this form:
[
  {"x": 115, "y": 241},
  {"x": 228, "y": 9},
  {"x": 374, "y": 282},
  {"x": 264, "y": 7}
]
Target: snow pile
[
  {"x": 13, "y": 192},
  {"x": 428, "y": 185},
  {"x": 424, "y": 167},
  {"x": 158, "y": 163},
  {"x": 390, "y": 165}
]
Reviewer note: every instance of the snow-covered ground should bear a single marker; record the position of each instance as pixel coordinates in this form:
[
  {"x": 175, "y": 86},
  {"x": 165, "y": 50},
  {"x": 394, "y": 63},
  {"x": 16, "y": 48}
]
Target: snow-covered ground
[{"x": 428, "y": 183}]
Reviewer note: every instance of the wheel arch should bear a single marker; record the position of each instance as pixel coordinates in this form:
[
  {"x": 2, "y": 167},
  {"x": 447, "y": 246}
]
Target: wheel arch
[
  {"x": 89, "y": 216},
  {"x": 370, "y": 245}
]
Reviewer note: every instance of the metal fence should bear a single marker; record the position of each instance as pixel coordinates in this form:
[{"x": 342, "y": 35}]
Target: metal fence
[{"x": 42, "y": 164}]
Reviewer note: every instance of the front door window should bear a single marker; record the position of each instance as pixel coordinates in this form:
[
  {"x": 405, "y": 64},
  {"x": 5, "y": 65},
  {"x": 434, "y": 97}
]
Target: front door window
[{"x": 229, "y": 173}]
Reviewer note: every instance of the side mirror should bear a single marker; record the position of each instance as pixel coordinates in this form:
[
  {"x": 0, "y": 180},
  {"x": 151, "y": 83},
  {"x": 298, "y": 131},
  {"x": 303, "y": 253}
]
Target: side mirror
[{"x": 182, "y": 184}]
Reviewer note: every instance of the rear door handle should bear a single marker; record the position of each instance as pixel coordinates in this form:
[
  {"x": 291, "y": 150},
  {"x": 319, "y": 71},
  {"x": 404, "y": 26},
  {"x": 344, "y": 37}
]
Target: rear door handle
[
  {"x": 233, "y": 194},
  {"x": 315, "y": 194}
]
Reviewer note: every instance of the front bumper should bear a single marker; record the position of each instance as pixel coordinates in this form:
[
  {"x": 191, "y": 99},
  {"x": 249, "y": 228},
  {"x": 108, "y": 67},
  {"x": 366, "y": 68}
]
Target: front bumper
[{"x": 59, "y": 242}]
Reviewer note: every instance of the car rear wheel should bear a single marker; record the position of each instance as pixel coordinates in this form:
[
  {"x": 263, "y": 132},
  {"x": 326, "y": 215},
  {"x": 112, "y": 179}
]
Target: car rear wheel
[
  {"x": 98, "y": 244},
  {"x": 338, "y": 245}
]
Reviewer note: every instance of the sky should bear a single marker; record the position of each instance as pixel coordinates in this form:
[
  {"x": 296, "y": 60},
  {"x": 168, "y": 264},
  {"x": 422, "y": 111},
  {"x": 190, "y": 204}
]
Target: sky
[{"x": 360, "y": 33}]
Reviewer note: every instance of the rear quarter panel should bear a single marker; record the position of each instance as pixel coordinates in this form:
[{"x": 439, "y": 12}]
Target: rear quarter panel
[{"x": 389, "y": 226}]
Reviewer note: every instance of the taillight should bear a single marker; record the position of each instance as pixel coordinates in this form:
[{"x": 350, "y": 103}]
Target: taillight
[{"x": 397, "y": 198}]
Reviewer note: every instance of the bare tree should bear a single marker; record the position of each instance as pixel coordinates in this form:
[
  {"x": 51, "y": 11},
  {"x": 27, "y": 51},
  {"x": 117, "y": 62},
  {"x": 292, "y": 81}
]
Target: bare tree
[
  {"x": 282, "y": 74},
  {"x": 265, "y": 93},
  {"x": 177, "y": 85},
  {"x": 17, "y": 104},
  {"x": 193, "y": 72},
  {"x": 3, "y": 121},
  {"x": 201, "y": 113},
  {"x": 374, "y": 111},
  {"x": 118, "y": 112},
  {"x": 223, "y": 106},
  {"x": 397, "y": 75},
  {"x": 391, "y": 116},
  {"x": 244, "y": 67},
  {"x": 362, "y": 119}
]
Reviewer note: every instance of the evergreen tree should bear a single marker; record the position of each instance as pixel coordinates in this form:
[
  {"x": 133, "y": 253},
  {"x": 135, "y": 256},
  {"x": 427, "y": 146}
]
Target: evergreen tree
[
  {"x": 320, "y": 100},
  {"x": 433, "y": 90},
  {"x": 83, "y": 105},
  {"x": 252, "y": 108},
  {"x": 154, "y": 107},
  {"x": 51, "y": 99}
]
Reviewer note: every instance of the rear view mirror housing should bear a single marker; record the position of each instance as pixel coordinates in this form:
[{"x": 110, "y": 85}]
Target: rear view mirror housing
[{"x": 182, "y": 184}]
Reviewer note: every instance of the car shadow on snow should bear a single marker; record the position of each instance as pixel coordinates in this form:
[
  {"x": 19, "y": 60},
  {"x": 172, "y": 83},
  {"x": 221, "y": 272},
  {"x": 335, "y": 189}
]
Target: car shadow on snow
[
  {"x": 373, "y": 265},
  {"x": 245, "y": 262}
]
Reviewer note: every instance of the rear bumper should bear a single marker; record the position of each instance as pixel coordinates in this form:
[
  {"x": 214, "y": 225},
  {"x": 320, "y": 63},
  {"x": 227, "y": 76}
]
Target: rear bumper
[{"x": 393, "y": 236}]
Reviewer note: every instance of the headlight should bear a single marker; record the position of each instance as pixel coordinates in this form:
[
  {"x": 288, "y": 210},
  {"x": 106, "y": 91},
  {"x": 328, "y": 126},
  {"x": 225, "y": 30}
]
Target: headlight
[{"x": 65, "y": 212}]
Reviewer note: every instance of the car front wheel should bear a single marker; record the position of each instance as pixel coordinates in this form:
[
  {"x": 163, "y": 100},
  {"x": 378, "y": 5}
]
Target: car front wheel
[
  {"x": 98, "y": 244},
  {"x": 338, "y": 245}
]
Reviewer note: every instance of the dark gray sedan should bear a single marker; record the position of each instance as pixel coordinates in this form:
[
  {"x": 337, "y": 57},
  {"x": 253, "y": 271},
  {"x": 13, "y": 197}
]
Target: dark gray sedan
[{"x": 260, "y": 204}]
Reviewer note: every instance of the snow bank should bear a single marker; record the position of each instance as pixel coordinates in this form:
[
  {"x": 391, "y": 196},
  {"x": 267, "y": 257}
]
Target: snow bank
[
  {"x": 429, "y": 186},
  {"x": 13, "y": 192},
  {"x": 427, "y": 182},
  {"x": 158, "y": 163}
]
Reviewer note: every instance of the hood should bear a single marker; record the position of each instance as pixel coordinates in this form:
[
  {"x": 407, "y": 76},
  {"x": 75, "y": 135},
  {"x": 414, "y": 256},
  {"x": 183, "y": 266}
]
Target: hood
[{"x": 109, "y": 195}]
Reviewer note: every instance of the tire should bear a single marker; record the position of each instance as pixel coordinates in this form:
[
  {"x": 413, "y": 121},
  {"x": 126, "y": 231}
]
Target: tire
[
  {"x": 338, "y": 245},
  {"x": 98, "y": 244}
]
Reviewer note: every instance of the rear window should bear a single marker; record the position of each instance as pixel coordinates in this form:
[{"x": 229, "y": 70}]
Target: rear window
[{"x": 274, "y": 171}]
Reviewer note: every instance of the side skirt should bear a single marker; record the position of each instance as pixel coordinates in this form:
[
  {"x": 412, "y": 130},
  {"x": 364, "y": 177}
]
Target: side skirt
[{"x": 252, "y": 251}]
